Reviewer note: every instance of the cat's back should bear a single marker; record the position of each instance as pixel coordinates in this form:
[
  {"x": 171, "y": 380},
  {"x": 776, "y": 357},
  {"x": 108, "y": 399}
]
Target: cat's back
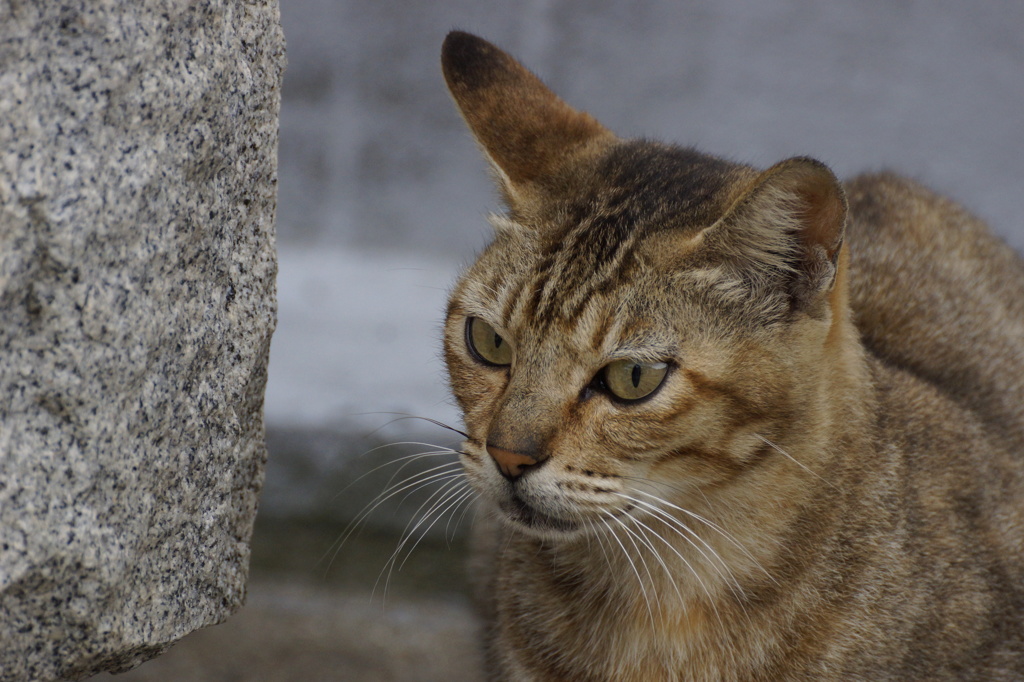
[
  {"x": 935, "y": 294},
  {"x": 939, "y": 304}
]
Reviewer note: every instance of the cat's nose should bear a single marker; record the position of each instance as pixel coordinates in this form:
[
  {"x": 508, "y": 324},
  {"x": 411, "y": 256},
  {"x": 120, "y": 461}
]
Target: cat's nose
[{"x": 511, "y": 464}]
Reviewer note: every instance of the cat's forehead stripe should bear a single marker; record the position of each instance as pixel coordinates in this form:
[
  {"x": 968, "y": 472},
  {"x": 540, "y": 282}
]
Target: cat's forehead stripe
[
  {"x": 601, "y": 228},
  {"x": 585, "y": 267}
]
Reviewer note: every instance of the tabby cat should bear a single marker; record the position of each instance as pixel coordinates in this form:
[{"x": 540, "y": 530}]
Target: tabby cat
[{"x": 731, "y": 424}]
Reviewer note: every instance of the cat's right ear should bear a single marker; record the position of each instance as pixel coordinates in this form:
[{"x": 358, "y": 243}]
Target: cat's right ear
[
  {"x": 790, "y": 221},
  {"x": 527, "y": 133}
]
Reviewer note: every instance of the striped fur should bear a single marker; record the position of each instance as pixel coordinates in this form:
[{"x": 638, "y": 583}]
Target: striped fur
[{"x": 828, "y": 484}]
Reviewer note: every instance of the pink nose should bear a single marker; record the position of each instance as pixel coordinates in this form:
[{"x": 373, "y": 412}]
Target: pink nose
[{"x": 512, "y": 464}]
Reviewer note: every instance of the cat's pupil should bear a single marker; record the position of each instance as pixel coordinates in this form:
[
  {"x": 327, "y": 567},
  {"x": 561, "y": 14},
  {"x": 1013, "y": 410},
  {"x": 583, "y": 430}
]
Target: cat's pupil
[
  {"x": 497, "y": 341},
  {"x": 636, "y": 375}
]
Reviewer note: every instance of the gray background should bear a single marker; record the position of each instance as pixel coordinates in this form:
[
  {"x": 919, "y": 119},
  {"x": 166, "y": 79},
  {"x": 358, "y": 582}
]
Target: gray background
[
  {"x": 383, "y": 194},
  {"x": 372, "y": 153}
]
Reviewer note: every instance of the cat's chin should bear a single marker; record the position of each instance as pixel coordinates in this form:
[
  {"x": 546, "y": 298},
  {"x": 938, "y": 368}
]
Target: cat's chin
[{"x": 523, "y": 516}]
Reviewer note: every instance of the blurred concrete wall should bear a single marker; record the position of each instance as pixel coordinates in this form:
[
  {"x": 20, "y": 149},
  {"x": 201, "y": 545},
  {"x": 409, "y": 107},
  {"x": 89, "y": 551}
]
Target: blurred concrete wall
[{"x": 373, "y": 154}]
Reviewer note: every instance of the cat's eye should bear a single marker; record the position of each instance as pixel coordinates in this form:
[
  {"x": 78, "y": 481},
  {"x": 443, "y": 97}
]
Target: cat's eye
[
  {"x": 486, "y": 344},
  {"x": 633, "y": 380}
]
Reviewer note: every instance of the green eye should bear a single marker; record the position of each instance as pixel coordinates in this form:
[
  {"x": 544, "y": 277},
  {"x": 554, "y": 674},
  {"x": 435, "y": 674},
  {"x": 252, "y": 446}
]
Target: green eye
[
  {"x": 486, "y": 344},
  {"x": 632, "y": 380}
]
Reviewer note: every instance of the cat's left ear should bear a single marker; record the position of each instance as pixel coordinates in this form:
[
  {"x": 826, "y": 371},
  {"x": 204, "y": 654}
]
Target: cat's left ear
[
  {"x": 792, "y": 221},
  {"x": 530, "y": 136}
]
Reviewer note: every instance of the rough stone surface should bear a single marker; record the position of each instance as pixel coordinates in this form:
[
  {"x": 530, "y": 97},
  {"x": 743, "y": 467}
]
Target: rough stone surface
[{"x": 138, "y": 143}]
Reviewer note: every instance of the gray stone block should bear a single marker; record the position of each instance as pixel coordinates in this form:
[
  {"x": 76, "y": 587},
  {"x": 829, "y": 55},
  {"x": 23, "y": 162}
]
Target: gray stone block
[{"x": 138, "y": 145}]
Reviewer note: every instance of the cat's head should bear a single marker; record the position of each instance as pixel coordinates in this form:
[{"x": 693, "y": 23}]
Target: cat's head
[{"x": 649, "y": 323}]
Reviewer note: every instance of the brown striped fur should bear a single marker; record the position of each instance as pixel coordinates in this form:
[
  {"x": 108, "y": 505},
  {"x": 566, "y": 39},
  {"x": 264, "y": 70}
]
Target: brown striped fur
[{"x": 829, "y": 483}]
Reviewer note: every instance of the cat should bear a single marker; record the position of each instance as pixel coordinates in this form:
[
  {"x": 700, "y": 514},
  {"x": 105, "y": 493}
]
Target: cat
[{"x": 730, "y": 423}]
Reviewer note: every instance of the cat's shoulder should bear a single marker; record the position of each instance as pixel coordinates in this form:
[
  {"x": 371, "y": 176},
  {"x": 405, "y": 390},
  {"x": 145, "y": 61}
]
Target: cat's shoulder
[{"x": 935, "y": 293}]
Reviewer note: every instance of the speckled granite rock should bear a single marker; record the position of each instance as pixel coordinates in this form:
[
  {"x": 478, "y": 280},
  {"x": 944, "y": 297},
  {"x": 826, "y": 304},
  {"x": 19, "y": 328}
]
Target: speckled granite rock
[{"x": 138, "y": 144}]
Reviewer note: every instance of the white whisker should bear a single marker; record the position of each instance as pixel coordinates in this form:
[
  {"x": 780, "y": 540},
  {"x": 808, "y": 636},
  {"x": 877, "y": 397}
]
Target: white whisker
[
  {"x": 411, "y": 485},
  {"x": 630, "y": 534},
  {"x": 640, "y": 582},
  {"x": 408, "y": 486},
  {"x": 717, "y": 563},
  {"x": 462, "y": 517},
  {"x": 402, "y": 416},
  {"x": 668, "y": 572},
  {"x": 798, "y": 463},
  {"x": 407, "y": 459},
  {"x": 713, "y": 526},
  {"x": 431, "y": 502},
  {"x": 679, "y": 527},
  {"x": 445, "y": 496},
  {"x": 450, "y": 503},
  {"x": 691, "y": 568}
]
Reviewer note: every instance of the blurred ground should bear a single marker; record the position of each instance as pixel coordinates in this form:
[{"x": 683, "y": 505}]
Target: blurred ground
[{"x": 307, "y": 621}]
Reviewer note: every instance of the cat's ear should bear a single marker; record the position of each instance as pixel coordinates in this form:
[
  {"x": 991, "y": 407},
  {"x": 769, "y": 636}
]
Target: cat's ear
[
  {"x": 790, "y": 221},
  {"x": 528, "y": 134}
]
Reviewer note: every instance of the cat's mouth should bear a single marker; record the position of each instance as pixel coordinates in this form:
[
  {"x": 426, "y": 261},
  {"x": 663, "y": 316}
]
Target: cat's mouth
[{"x": 522, "y": 513}]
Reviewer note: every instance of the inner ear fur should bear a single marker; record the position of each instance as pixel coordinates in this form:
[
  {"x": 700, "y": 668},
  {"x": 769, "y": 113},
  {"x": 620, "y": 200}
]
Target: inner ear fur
[
  {"x": 792, "y": 220},
  {"x": 526, "y": 132}
]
